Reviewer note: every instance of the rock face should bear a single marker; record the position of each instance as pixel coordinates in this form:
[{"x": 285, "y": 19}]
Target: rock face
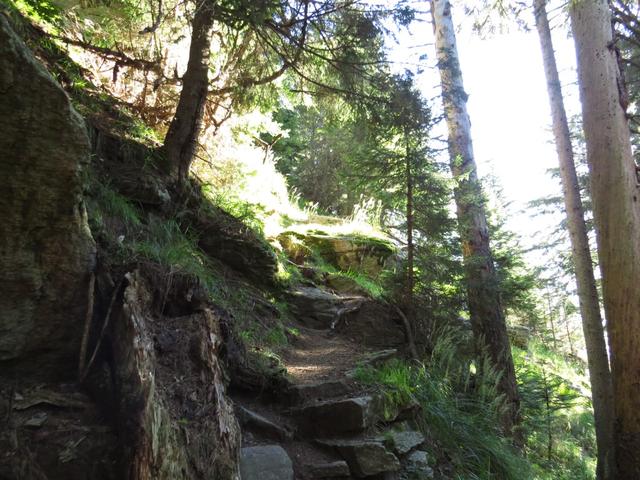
[
  {"x": 519, "y": 335},
  {"x": 335, "y": 469},
  {"x": 125, "y": 160},
  {"x": 403, "y": 442},
  {"x": 269, "y": 462},
  {"x": 46, "y": 249},
  {"x": 256, "y": 422},
  {"x": 316, "y": 392},
  {"x": 344, "y": 285}
]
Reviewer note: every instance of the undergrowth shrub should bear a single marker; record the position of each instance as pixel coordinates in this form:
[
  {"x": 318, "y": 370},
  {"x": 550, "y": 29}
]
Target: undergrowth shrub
[
  {"x": 557, "y": 414},
  {"x": 462, "y": 420},
  {"x": 166, "y": 244}
]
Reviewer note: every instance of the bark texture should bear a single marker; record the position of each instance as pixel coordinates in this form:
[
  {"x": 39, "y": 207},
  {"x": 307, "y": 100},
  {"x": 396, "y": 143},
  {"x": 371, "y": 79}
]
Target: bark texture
[
  {"x": 46, "y": 249},
  {"x": 485, "y": 308},
  {"x": 181, "y": 141},
  {"x": 598, "y": 360},
  {"x": 614, "y": 189},
  {"x": 163, "y": 436}
]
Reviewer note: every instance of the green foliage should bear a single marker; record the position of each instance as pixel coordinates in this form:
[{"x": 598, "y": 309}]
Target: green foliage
[
  {"x": 462, "y": 424},
  {"x": 106, "y": 201},
  {"x": 557, "y": 414},
  {"x": 135, "y": 238},
  {"x": 462, "y": 415},
  {"x": 251, "y": 214},
  {"x": 39, "y": 11},
  {"x": 166, "y": 244}
]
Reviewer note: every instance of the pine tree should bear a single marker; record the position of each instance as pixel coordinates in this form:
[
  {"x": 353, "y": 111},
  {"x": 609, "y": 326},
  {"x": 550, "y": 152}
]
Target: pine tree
[
  {"x": 485, "y": 306},
  {"x": 583, "y": 265},
  {"x": 616, "y": 207}
]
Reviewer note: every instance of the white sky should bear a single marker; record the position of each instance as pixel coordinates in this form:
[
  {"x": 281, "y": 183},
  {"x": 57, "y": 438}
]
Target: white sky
[{"x": 508, "y": 106}]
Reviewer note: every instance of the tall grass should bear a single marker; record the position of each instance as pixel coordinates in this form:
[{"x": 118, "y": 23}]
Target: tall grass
[
  {"x": 463, "y": 421},
  {"x": 166, "y": 244}
]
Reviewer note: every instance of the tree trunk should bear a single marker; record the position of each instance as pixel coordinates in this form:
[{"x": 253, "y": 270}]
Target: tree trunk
[
  {"x": 410, "y": 245},
  {"x": 553, "y": 327},
  {"x": 487, "y": 316},
  {"x": 599, "y": 374},
  {"x": 571, "y": 349},
  {"x": 182, "y": 138},
  {"x": 614, "y": 190}
]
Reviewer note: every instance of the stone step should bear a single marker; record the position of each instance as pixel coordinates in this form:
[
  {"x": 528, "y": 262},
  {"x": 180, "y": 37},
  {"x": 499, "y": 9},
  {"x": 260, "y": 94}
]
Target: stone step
[
  {"x": 336, "y": 417},
  {"x": 316, "y": 392},
  {"x": 331, "y": 418},
  {"x": 257, "y": 423},
  {"x": 365, "y": 457},
  {"x": 266, "y": 462}
]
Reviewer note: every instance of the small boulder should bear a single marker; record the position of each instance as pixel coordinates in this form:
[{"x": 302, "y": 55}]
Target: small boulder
[
  {"x": 267, "y": 462},
  {"x": 365, "y": 457},
  {"x": 403, "y": 442},
  {"x": 417, "y": 467},
  {"x": 315, "y": 308}
]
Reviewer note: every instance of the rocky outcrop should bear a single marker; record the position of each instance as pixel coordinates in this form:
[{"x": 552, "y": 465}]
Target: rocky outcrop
[
  {"x": 319, "y": 309},
  {"x": 356, "y": 253},
  {"x": 47, "y": 253},
  {"x": 226, "y": 238},
  {"x": 129, "y": 166},
  {"x": 519, "y": 335}
]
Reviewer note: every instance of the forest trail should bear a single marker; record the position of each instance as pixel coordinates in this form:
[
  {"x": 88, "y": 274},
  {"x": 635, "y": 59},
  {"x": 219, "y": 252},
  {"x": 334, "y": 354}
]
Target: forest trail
[
  {"x": 321, "y": 355},
  {"x": 327, "y": 425}
]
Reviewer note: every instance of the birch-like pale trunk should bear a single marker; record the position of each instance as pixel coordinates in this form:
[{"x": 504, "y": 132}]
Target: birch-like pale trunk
[
  {"x": 485, "y": 308},
  {"x": 598, "y": 360},
  {"x": 616, "y": 208}
]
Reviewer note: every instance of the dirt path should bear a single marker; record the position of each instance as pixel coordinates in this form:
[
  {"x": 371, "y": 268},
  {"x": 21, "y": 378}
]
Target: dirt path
[{"x": 319, "y": 355}]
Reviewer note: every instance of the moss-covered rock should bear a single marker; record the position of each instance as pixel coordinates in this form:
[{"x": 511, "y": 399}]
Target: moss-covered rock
[{"x": 357, "y": 253}]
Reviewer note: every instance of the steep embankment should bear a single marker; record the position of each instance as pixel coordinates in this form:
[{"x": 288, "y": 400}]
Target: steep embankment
[
  {"x": 97, "y": 380},
  {"x": 131, "y": 309}
]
